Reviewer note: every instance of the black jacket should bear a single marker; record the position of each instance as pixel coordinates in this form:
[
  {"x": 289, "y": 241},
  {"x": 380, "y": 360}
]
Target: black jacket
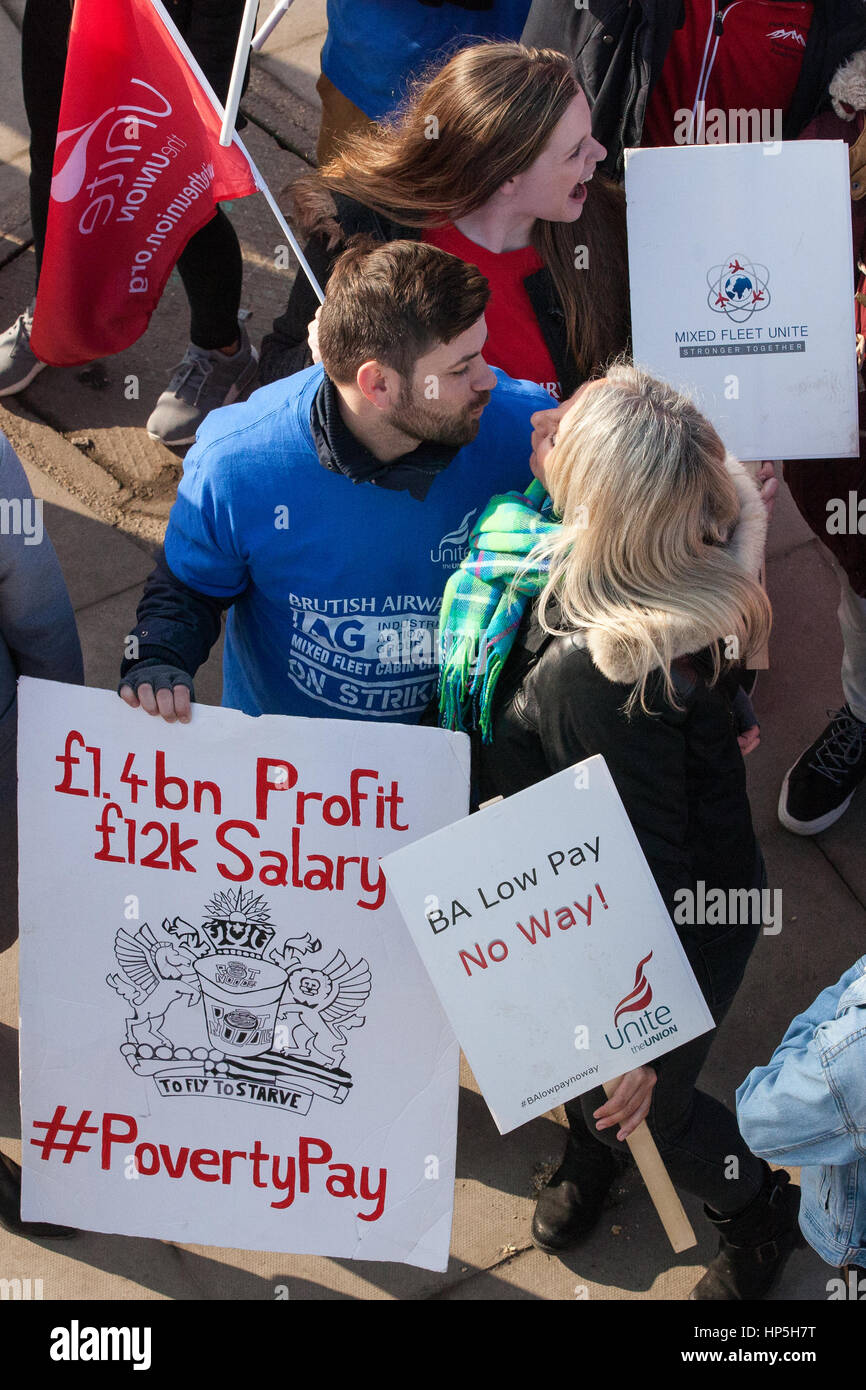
[
  {"x": 679, "y": 772},
  {"x": 285, "y": 349},
  {"x": 619, "y": 48}
]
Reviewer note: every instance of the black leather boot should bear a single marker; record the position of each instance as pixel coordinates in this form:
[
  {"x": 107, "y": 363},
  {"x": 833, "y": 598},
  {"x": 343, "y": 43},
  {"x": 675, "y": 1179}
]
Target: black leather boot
[
  {"x": 10, "y": 1207},
  {"x": 753, "y": 1245},
  {"x": 573, "y": 1200}
]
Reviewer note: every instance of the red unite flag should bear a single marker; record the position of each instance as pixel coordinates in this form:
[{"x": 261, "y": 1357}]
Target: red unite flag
[{"x": 138, "y": 170}]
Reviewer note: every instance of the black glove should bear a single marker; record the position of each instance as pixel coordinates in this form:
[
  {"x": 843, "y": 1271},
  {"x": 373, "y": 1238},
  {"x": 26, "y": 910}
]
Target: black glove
[{"x": 151, "y": 671}]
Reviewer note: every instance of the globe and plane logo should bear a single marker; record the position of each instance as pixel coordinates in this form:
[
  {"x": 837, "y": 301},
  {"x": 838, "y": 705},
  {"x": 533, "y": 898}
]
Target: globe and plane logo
[{"x": 738, "y": 288}]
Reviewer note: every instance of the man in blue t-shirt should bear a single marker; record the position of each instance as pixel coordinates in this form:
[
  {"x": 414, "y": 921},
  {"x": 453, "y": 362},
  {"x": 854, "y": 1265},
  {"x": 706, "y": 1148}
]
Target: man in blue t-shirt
[{"x": 328, "y": 511}]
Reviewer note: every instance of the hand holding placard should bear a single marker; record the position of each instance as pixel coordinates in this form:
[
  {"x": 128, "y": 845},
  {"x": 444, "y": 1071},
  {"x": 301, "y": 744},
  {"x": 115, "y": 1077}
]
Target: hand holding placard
[
  {"x": 648, "y": 1162},
  {"x": 543, "y": 942}
]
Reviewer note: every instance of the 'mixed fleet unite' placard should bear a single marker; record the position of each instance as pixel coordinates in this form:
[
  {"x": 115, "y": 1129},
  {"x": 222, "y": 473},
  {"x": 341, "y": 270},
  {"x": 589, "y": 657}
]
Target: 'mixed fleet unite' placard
[
  {"x": 227, "y": 1036},
  {"x": 548, "y": 942},
  {"x": 742, "y": 291}
]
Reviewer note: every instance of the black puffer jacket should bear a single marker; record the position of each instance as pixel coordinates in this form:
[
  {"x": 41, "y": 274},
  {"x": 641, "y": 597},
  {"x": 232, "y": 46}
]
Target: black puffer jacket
[
  {"x": 619, "y": 48},
  {"x": 680, "y": 773},
  {"x": 285, "y": 349}
]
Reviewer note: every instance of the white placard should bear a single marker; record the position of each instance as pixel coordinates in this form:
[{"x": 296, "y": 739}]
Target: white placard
[
  {"x": 741, "y": 270},
  {"x": 548, "y": 942},
  {"x": 227, "y": 1035}
]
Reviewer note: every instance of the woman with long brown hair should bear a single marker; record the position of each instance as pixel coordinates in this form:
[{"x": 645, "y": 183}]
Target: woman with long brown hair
[{"x": 491, "y": 159}]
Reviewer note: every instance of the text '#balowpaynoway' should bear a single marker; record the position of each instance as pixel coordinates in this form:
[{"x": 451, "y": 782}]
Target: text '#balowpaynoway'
[{"x": 551, "y": 1090}]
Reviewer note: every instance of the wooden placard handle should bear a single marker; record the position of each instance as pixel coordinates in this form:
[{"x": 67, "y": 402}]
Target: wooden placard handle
[{"x": 671, "y": 1212}]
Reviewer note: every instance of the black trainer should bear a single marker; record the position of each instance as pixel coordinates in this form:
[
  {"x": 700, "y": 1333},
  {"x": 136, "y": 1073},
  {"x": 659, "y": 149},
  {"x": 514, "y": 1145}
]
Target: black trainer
[
  {"x": 572, "y": 1202},
  {"x": 10, "y": 1207},
  {"x": 818, "y": 788}
]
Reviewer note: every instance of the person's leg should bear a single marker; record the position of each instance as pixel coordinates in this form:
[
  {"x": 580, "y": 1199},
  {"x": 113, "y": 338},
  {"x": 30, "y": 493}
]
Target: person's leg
[
  {"x": 572, "y": 1200},
  {"x": 697, "y": 1136},
  {"x": 340, "y": 117},
  {"x": 220, "y": 363},
  {"x": 211, "y": 268},
  {"x": 44, "y": 35},
  {"x": 754, "y": 1210}
]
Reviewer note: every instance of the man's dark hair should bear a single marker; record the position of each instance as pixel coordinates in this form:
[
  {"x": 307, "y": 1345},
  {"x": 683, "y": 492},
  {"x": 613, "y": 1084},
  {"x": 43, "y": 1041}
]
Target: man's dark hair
[{"x": 393, "y": 303}]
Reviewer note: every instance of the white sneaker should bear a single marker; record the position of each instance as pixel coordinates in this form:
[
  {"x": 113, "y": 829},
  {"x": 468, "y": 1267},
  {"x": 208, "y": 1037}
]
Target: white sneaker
[
  {"x": 204, "y": 381},
  {"x": 18, "y": 362}
]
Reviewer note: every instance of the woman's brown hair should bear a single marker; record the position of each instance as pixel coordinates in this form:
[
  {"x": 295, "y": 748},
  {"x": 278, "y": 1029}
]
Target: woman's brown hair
[{"x": 466, "y": 128}]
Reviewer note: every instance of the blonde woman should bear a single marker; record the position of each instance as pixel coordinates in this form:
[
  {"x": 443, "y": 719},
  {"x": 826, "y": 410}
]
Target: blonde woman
[
  {"x": 642, "y": 576},
  {"x": 492, "y": 159}
]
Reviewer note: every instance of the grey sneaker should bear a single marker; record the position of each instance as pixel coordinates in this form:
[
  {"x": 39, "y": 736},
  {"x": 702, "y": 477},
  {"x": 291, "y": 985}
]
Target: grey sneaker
[
  {"x": 18, "y": 362},
  {"x": 202, "y": 382}
]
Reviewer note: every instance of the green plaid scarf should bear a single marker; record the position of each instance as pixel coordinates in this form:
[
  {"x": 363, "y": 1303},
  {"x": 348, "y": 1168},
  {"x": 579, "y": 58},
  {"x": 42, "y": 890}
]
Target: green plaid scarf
[{"x": 484, "y": 603}]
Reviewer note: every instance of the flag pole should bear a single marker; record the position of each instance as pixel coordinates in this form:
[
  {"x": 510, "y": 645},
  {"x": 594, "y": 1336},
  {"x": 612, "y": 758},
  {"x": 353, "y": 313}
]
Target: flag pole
[
  {"x": 280, "y": 9},
  {"x": 284, "y": 226},
  {"x": 217, "y": 105},
  {"x": 242, "y": 53}
]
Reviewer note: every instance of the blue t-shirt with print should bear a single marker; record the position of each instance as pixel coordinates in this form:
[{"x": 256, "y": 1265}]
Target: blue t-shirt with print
[
  {"x": 339, "y": 584},
  {"x": 373, "y": 46}
]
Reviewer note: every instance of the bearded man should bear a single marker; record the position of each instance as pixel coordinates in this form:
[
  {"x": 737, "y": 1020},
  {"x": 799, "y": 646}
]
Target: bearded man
[{"x": 328, "y": 511}]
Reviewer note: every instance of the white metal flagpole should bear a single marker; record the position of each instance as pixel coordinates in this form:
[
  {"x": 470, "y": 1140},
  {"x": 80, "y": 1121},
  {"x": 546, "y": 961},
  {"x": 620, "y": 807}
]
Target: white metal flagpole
[
  {"x": 281, "y": 8},
  {"x": 242, "y": 53},
  {"x": 286, "y": 229},
  {"x": 183, "y": 48}
]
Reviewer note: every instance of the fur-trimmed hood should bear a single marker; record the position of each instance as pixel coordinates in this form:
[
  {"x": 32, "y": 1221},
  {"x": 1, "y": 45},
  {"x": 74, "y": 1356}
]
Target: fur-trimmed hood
[
  {"x": 314, "y": 212},
  {"x": 848, "y": 86},
  {"x": 746, "y": 546},
  {"x": 335, "y": 217},
  {"x": 848, "y": 99}
]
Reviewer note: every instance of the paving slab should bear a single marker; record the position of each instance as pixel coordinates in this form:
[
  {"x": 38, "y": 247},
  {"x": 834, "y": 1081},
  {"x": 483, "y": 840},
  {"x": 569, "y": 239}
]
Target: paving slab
[
  {"x": 803, "y": 680},
  {"x": 823, "y": 932},
  {"x": 289, "y": 119},
  {"x": 98, "y": 561},
  {"x": 15, "y": 230},
  {"x": 291, "y": 53},
  {"x": 107, "y": 490},
  {"x": 121, "y": 391},
  {"x": 787, "y": 529},
  {"x": 15, "y": 10},
  {"x": 844, "y": 846},
  {"x": 102, "y": 627},
  {"x": 104, "y": 405}
]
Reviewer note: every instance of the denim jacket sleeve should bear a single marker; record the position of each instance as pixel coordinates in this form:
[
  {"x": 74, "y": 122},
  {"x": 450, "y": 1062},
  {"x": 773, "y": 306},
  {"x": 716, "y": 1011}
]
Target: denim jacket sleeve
[{"x": 807, "y": 1106}]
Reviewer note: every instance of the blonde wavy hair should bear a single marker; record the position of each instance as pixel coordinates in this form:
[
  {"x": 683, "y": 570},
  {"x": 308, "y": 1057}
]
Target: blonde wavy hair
[{"x": 647, "y": 505}]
